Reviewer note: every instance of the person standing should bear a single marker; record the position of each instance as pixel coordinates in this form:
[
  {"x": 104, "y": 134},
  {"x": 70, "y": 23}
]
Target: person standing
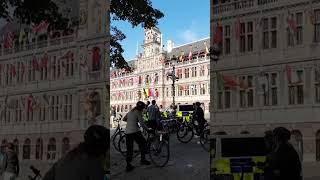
[
  {"x": 113, "y": 114},
  {"x": 153, "y": 115},
  {"x": 284, "y": 161},
  {"x": 11, "y": 170},
  {"x": 199, "y": 116},
  {"x": 133, "y": 133},
  {"x": 89, "y": 160}
]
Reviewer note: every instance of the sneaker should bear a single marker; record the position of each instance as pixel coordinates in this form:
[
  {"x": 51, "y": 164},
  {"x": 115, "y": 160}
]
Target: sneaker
[
  {"x": 145, "y": 162},
  {"x": 129, "y": 167}
]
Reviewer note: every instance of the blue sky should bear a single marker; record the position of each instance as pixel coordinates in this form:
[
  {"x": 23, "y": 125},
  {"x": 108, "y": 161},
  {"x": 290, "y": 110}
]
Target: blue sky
[{"x": 184, "y": 21}]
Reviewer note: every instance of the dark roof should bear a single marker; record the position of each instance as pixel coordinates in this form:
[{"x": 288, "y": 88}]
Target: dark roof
[{"x": 195, "y": 48}]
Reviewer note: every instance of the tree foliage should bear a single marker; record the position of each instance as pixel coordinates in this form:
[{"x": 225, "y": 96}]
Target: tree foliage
[
  {"x": 33, "y": 12},
  {"x": 137, "y": 12}
]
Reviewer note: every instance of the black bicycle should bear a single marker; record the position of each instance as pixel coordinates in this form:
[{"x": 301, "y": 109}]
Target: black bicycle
[
  {"x": 36, "y": 173},
  {"x": 157, "y": 147},
  {"x": 205, "y": 139},
  {"x": 188, "y": 129},
  {"x": 117, "y": 134}
]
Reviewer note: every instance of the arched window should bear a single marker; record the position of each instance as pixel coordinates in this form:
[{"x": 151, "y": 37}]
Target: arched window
[
  {"x": 51, "y": 149},
  {"x": 121, "y": 110},
  {"x": 26, "y": 149},
  {"x": 318, "y": 145},
  {"x": 297, "y": 142},
  {"x": 39, "y": 149},
  {"x": 3, "y": 143},
  {"x": 65, "y": 146},
  {"x": 16, "y": 146}
]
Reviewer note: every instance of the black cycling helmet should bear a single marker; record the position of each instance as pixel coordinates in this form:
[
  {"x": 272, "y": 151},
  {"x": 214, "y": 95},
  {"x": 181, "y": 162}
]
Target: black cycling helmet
[
  {"x": 198, "y": 103},
  {"x": 97, "y": 136},
  {"x": 140, "y": 105},
  {"x": 282, "y": 134}
]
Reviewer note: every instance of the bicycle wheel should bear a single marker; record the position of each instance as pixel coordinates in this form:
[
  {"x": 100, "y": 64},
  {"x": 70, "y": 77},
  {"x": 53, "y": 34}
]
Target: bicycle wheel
[
  {"x": 185, "y": 133},
  {"x": 122, "y": 145},
  {"x": 116, "y": 138},
  {"x": 159, "y": 151},
  {"x": 205, "y": 140}
]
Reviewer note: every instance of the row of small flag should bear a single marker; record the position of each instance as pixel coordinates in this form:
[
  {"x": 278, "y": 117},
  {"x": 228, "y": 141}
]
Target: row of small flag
[
  {"x": 229, "y": 81},
  {"x": 41, "y": 28},
  {"x": 37, "y": 64},
  {"x": 33, "y": 103},
  {"x": 291, "y": 22},
  {"x": 182, "y": 57}
]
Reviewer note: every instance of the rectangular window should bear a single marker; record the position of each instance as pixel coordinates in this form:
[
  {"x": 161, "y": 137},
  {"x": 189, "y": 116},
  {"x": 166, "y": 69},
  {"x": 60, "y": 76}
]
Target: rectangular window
[
  {"x": 299, "y": 33},
  {"x": 291, "y": 95},
  {"x": 227, "y": 99},
  {"x": 300, "y": 94},
  {"x": 317, "y": 26},
  {"x": 250, "y": 98},
  {"x": 186, "y": 72},
  {"x": 186, "y": 90},
  {"x": 220, "y": 105},
  {"x": 274, "y": 32},
  {"x": 265, "y": 39},
  {"x": 242, "y": 99},
  {"x": 250, "y": 36},
  {"x": 194, "y": 72}
]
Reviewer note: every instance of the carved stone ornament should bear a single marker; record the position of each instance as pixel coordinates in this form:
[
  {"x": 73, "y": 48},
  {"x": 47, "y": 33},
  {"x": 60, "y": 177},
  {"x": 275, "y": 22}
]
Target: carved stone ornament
[{"x": 83, "y": 17}]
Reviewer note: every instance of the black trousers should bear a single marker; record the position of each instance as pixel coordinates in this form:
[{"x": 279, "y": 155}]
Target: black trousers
[{"x": 142, "y": 143}]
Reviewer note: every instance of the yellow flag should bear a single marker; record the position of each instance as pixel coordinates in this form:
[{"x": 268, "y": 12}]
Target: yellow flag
[{"x": 21, "y": 36}]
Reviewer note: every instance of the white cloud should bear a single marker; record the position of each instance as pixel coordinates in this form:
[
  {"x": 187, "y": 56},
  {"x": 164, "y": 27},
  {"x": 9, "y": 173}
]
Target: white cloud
[{"x": 189, "y": 34}]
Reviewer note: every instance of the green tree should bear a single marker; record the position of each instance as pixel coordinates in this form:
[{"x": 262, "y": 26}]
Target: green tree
[
  {"x": 33, "y": 12},
  {"x": 137, "y": 12}
]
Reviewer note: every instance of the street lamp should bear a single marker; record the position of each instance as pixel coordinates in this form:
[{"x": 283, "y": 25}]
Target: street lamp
[
  {"x": 215, "y": 52},
  {"x": 174, "y": 78}
]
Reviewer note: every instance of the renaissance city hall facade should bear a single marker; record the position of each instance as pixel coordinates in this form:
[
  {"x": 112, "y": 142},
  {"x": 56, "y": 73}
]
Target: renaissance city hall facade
[
  {"x": 148, "y": 78},
  {"x": 54, "y": 86},
  {"x": 268, "y": 72}
]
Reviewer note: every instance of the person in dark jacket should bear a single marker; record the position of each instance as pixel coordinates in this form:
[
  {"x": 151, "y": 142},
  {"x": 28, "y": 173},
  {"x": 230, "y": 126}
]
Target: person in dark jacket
[
  {"x": 284, "y": 161},
  {"x": 199, "y": 117},
  {"x": 12, "y": 168},
  {"x": 87, "y": 161}
]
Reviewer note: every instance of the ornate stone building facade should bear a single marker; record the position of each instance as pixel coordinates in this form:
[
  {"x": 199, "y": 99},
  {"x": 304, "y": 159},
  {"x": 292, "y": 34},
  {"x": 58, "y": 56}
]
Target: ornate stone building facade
[
  {"x": 148, "y": 79},
  {"x": 53, "y": 88},
  {"x": 268, "y": 72}
]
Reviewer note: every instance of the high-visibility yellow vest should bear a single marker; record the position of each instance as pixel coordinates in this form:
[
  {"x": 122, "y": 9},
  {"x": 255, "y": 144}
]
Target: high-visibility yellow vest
[
  {"x": 145, "y": 117},
  {"x": 223, "y": 167}
]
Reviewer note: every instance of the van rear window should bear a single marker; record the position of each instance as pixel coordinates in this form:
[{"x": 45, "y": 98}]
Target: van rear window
[
  {"x": 240, "y": 147},
  {"x": 186, "y": 108}
]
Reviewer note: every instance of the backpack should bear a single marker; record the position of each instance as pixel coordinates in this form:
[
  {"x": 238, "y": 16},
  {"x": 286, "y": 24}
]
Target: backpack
[{"x": 3, "y": 162}]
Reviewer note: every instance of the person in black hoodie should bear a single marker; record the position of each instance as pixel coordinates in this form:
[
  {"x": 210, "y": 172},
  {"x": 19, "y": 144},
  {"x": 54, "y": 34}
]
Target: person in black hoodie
[
  {"x": 284, "y": 162},
  {"x": 12, "y": 169}
]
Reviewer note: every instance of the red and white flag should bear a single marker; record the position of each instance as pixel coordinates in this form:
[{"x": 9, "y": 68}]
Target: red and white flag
[
  {"x": 217, "y": 38},
  {"x": 44, "y": 60},
  {"x": 41, "y": 28},
  {"x": 292, "y": 24},
  {"x": 8, "y": 42},
  {"x": 35, "y": 63},
  {"x": 13, "y": 70}
]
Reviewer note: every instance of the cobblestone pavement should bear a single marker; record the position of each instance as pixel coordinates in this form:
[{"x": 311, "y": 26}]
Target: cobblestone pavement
[{"x": 187, "y": 161}]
